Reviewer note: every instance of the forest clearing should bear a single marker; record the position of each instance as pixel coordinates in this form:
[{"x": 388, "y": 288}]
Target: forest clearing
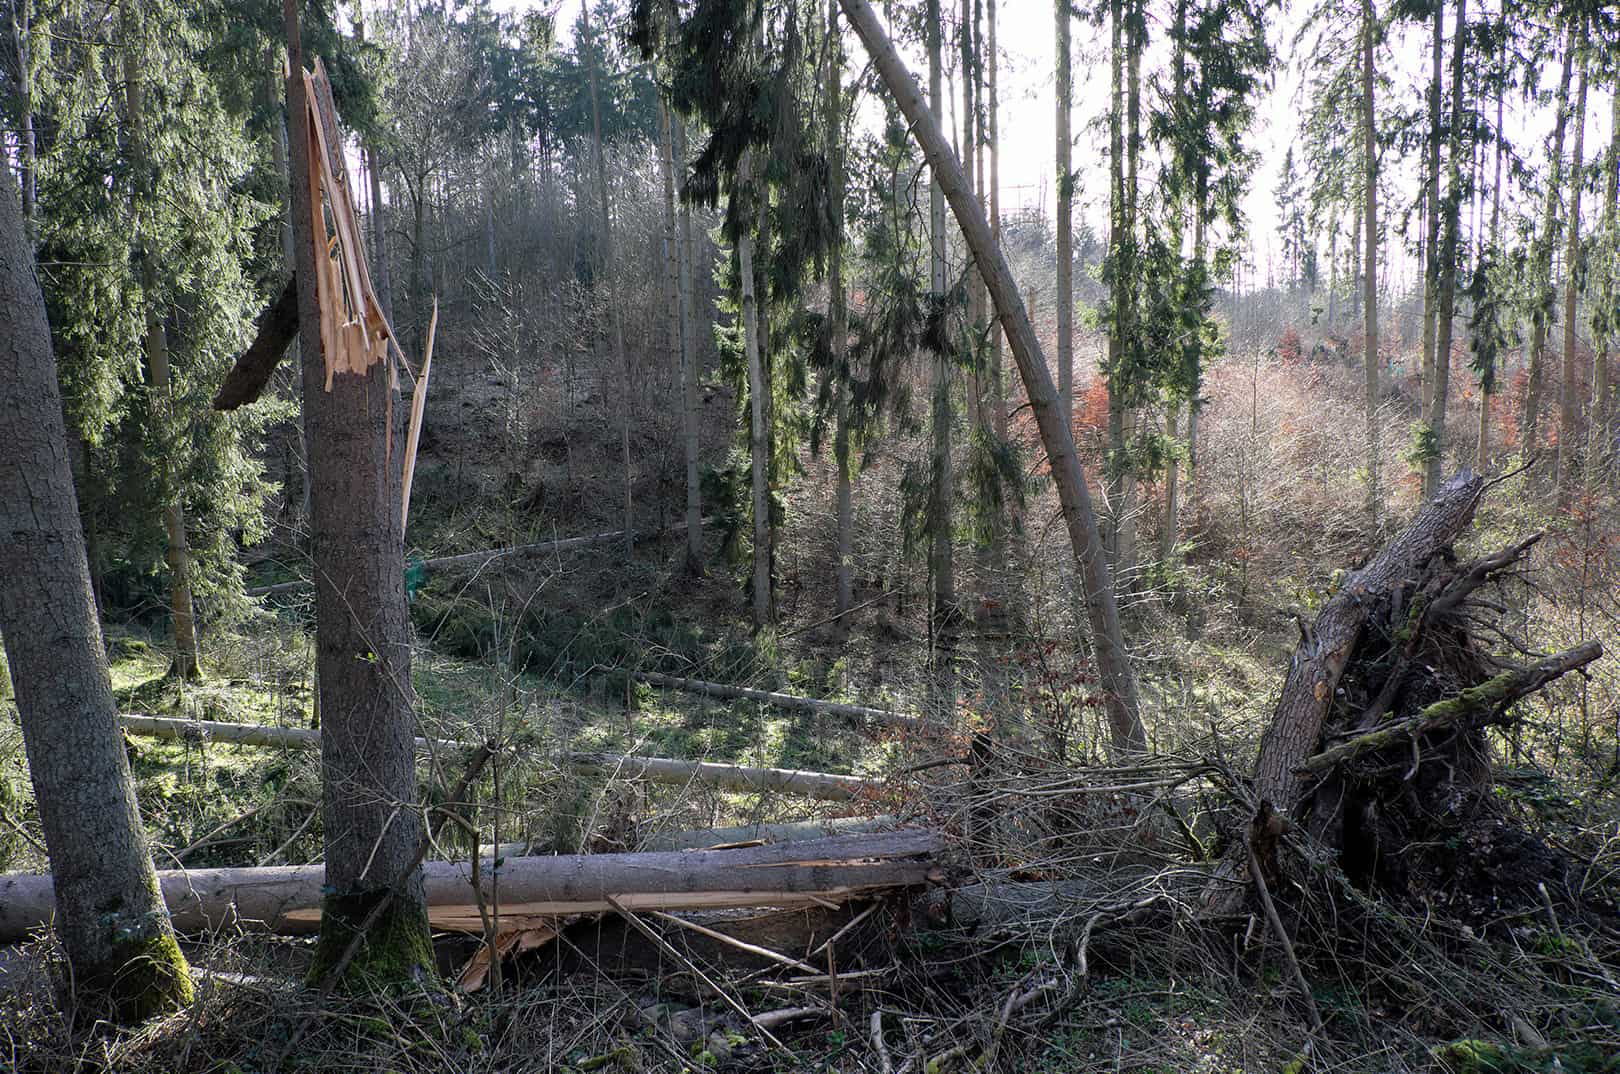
[{"x": 743, "y": 535}]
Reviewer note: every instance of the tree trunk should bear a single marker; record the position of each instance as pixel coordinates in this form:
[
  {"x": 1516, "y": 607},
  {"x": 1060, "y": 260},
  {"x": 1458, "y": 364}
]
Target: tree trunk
[
  {"x": 838, "y": 317},
  {"x": 1601, "y": 430},
  {"x": 1431, "y": 214},
  {"x": 283, "y": 898},
  {"x": 1064, "y": 297},
  {"x": 1369, "y": 133},
  {"x": 610, "y": 275},
  {"x": 28, "y": 166},
  {"x": 757, "y": 448},
  {"x": 997, "y": 375},
  {"x": 363, "y": 653},
  {"x": 1307, "y": 695},
  {"x": 182, "y": 621},
  {"x": 1483, "y": 450},
  {"x": 107, "y": 911},
  {"x": 1541, "y": 269},
  {"x": 680, "y": 334},
  {"x": 1449, "y": 253},
  {"x": 1113, "y": 660},
  {"x": 941, "y": 569},
  {"x": 689, "y": 366},
  {"x": 1566, "y": 460}
]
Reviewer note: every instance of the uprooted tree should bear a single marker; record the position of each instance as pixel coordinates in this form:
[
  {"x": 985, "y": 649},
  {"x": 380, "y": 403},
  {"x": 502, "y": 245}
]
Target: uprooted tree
[{"x": 1378, "y": 745}]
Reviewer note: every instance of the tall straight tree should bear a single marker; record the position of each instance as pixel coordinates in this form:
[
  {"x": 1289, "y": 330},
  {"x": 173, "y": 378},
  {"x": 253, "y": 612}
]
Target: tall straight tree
[
  {"x": 177, "y": 555},
  {"x": 1431, "y": 204},
  {"x": 609, "y": 273},
  {"x": 1569, "y": 400},
  {"x": 362, "y": 629},
  {"x": 689, "y": 359},
  {"x": 1065, "y": 211},
  {"x": 110, "y": 916},
  {"x": 1541, "y": 260},
  {"x": 940, "y": 566},
  {"x": 838, "y": 320},
  {"x": 1369, "y": 150},
  {"x": 1601, "y": 429},
  {"x": 1113, "y": 659},
  {"x": 1450, "y": 246}
]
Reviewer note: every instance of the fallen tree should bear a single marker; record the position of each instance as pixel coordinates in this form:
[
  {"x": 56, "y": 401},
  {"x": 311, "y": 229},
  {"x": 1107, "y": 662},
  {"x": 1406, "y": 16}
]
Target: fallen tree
[
  {"x": 480, "y": 559},
  {"x": 534, "y": 891},
  {"x": 786, "y": 701},
  {"x": 1378, "y": 744},
  {"x": 823, "y": 785}
]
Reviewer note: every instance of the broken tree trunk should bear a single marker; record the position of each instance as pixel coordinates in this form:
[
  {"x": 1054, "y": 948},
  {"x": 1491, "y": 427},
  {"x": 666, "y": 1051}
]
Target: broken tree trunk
[
  {"x": 286, "y": 899},
  {"x": 823, "y": 785},
  {"x": 784, "y": 701}
]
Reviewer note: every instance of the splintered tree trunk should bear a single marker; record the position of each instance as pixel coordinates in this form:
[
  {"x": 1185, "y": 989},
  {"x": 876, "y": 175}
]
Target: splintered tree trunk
[
  {"x": 689, "y": 366},
  {"x": 1541, "y": 270},
  {"x": 1369, "y": 149},
  {"x": 1065, "y": 214},
  {"x": 1447, "y": 279},
  {"x": 108, "y": 913},
  {"x": 838, "y": 300},
  {"x": 1113, "y": 660},
  {"x": 1569, "y": 400},
  {"x": 363, "y": 653},
  {"x": 177, "y": 556}
]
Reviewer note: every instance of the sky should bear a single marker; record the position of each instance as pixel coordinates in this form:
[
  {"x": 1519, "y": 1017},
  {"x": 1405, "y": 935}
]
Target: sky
[{"x": 1028, "y": 114}]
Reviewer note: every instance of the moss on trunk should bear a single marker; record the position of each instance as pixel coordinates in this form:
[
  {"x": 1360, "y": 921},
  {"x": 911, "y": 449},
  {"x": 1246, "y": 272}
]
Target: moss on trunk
[
  {"x": 397, "y": 948},
  {"x": 143, "y": 976}
]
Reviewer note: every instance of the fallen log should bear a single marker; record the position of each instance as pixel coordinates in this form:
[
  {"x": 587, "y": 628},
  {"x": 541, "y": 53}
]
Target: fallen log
[
  {"x": 277, "y": 328},
  {"x": 786, "y": 701},
  {"x": 479, "y": 559},
  {"x": 785, "y": 832},
  {"x": 1474, "y": 706},
  {"x": 823, "y": 785},
  {"x": 536, "y": 890},
  {"x": 731, "y": 777}
]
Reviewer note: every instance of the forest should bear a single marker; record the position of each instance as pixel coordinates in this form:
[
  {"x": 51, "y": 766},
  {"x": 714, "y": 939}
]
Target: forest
[{"x": 774, "y": 536}]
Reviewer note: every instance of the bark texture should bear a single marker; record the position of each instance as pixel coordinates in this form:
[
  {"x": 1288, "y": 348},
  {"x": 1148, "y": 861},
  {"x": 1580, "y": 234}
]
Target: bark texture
[
  {"x": 363, "y": 654},
  {"x": 108, "y": 914}
]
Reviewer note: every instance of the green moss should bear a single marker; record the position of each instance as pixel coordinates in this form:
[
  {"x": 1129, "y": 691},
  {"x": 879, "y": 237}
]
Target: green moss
[
  {"x": 1474, "y": 1057},
  {"x": 397, "y": 949},
  {"x": 144, "y": 975}
]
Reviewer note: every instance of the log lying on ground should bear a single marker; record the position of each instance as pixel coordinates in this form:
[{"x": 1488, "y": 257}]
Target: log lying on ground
[
  {"x": 787, "y": 701},
  {"x": 286, "y": 899},
  {"x": 785, "y": 832},
  {"x": 479, "y": 559},
  {"x": 277, "y": 328},
  {"x": 730, "y": 777},
  {"x": 1475, "y": 706},
  {"x": 823, "y": 785}
]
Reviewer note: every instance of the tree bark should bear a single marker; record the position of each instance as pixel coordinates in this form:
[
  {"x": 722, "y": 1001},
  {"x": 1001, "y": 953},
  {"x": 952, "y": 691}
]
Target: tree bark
[
  {"x": 1113, "y": 660},
  {"x": 1369, "y": 133},
  {"x": 757, "y": 448},
  {"x": 1566, "y": 459},
  {"x": 1065, "y": 213},
  {"x": 1313, "y": 674},
  {"x": 838, "y": 317},
  {"x": 1431, "y": 214},
  {"x": 997, "y": 375},
  {"x": 143, "y": 193},
  {"x": 284, "y": 898},
  {"x": 1602, "y": 427},
  {"x": 107, "y": 911},
  {"x": 1446, "y": 280},
  {"x": 940, "y": 565},
  {"x": 1483, "y": 449},
  {"x": 690, "y": 363},
  {"x": 363, "y": 654}
]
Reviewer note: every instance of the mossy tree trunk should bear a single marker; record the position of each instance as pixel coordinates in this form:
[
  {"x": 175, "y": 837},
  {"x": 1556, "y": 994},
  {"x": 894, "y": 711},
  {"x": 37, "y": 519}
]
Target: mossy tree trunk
[
  {"x": 109, "y": 915},
  {"x": 363, "y": 656}
]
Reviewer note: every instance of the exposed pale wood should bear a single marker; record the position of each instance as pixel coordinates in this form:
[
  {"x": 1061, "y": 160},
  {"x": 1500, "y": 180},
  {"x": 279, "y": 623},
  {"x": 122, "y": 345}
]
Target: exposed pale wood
[
  {"x": 534, "y": 890},
  {"x": 823, "y": 785},
  {"x": 783, "y": 701},
  {"x": 413, "y": 435}
]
